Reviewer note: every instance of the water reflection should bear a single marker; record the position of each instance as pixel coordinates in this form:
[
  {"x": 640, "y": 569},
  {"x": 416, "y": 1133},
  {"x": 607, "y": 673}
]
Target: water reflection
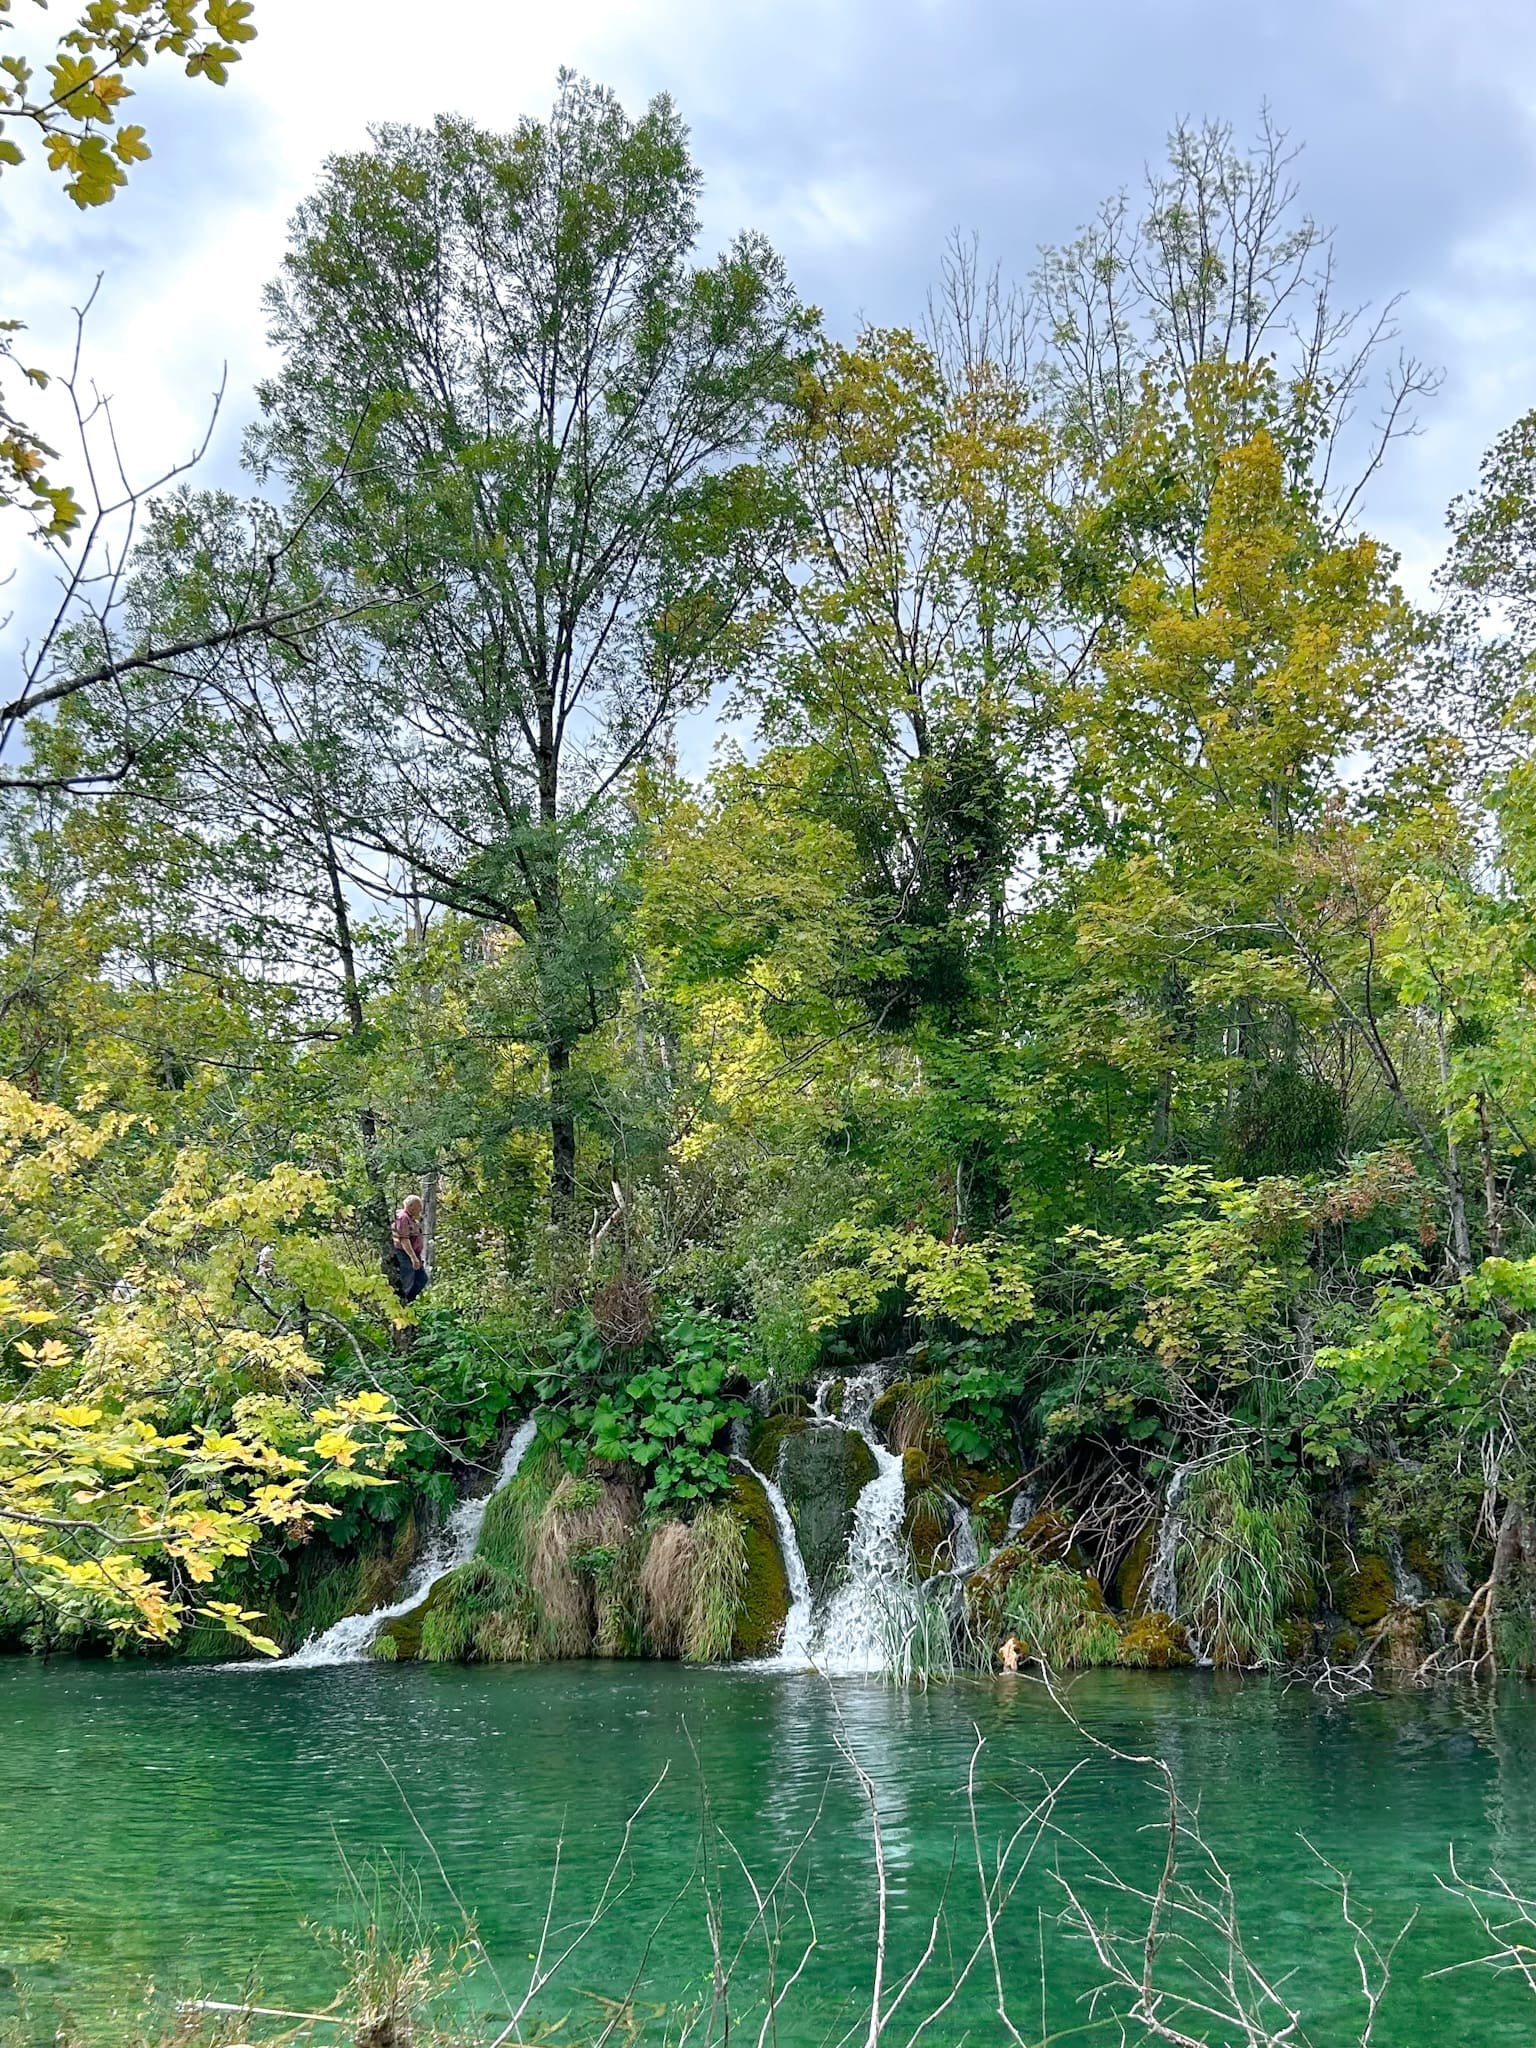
[{"x": 183, "y": 1824}]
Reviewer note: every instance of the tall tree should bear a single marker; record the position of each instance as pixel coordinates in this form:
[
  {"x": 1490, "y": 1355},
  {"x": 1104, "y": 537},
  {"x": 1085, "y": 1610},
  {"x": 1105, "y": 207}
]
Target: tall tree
[{"x": 561, "y": 413}]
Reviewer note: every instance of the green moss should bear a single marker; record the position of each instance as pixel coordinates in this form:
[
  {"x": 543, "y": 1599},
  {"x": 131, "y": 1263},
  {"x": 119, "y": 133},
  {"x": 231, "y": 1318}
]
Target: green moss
[
  {"x": 1364, "y": 1594},
  {"x": 1155, "y": 1642},
  {"x": 925, "y": 1523},
  {"x": 987, "y": 1490},
  {"x": 917, "y": 1469},
  {"x": 767, "y": 1436},
  {"x": 763, "y": 1606},
  {"x": 1296, "y": 1638},
  {"x": 399, "y": 1641},
  {"x": 480, "y": 1614},
  {"x": 821, "y": 1474},
  {"x": 1130, "y": 1580},
  {"x": 1424, "y": 1565},
  {"x": 1047, "y": 1535}
]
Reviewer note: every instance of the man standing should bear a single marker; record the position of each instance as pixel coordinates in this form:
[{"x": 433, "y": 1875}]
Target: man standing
[{"x": 410, "y": 1249}]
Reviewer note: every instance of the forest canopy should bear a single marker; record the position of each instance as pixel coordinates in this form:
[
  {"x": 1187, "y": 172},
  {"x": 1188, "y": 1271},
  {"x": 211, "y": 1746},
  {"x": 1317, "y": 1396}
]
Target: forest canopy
[{"x": 1093, "y": 975}]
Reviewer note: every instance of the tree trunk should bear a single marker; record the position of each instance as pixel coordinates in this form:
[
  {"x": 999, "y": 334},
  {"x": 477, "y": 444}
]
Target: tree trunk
[
  {"x": 562, "y": 1137},
  {"x": 1461, "y": 1236},
  {"x": 376, "y": 1208},
  {"x": 429, "y": 1187}
]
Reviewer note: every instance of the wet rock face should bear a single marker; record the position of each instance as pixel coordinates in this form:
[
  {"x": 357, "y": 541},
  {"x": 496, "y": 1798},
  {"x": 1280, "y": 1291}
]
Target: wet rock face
[
  {"x": 821, "y": 1473},
  {"x": 765, "y": 1595},
  {"x": 766, "y": 1438}
]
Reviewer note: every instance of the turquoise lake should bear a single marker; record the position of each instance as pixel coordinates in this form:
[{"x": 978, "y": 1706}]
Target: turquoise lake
[{"x": 191, "y": 1828}]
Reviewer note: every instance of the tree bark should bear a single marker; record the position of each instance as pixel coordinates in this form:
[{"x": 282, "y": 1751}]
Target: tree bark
[
  {"x": 562, "y": 1137},
  {"x": 1461, "y": 1236}
]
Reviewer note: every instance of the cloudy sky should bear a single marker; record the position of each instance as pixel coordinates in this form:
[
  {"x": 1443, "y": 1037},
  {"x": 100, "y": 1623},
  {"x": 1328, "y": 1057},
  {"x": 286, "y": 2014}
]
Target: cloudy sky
[{"x": 858, "y": 134}]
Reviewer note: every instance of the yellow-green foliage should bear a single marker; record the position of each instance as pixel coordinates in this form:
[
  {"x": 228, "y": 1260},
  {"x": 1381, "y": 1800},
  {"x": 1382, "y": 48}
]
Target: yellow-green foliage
[
  {"x": 982, "y": 1285},
  {"x": 107, "y": 1508}
]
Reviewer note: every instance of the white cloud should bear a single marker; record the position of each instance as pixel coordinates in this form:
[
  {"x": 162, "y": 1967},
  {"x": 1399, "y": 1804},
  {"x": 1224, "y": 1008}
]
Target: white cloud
[{"x": 856, "y": 133}]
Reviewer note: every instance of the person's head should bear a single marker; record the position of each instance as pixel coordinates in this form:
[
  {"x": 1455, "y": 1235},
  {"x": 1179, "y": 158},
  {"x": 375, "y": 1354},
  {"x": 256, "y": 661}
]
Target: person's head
[{"x": 412, "y": 1205}]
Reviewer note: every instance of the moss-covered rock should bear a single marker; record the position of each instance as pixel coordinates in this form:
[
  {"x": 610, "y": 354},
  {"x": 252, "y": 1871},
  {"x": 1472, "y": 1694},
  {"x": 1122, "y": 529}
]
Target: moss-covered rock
[
  {"x": 925, "y": 1524},
  {"x": 1364, "y": 1592},
  {"x": 764, "y": 1605},
  {"x": 1428, "y": 1569},
  {"x": 1131, "y": 1578},
  {"x": 399, "y": 1640},
  {"x": 479, "y": 1614},
  {"x": 821, "y": 1474},
  {"x": 918, "y": 1469},
  {"x": 767, "y": 1436},
  {"x": 1047, "y": 1536},
  {"x": 1298, "y": 1638},
  {"x": 888, "y": 1405},
  {"x": 1155, "y": 1642},
  {"x": 987, "y": 1490}
]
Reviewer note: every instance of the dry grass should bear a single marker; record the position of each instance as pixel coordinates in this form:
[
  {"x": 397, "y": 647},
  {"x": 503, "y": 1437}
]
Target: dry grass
[
  {"x": 914, "y": 1422},
  {"x": 666, "y": 1589},
  {"x": 582, "y": 1518}
]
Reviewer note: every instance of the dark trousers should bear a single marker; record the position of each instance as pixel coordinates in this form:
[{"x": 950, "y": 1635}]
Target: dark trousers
[{"x": 409, "y": 1279}]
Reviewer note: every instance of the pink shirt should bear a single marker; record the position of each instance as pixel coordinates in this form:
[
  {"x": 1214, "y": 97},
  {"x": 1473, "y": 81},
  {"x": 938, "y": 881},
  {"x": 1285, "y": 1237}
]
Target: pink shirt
[{"x": 408, "y": 1231}]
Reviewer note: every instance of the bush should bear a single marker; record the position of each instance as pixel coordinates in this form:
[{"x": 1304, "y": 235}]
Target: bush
[
  {"x": 1242, "y": 1561},
  {"x": 1057, "y": 1614}
]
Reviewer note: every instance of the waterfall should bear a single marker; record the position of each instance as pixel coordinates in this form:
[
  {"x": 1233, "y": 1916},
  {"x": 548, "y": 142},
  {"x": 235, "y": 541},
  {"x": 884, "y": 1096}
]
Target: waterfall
[
  {"x": 1162, "y": 1594},
  {"x": 846, "y": 1635},
  {"x": 964, "y": 1550},
  {"x": 795, "y": 1649},
  {"x": 1021, "y": 1512},
  {"x": 347, "y": 1641}
]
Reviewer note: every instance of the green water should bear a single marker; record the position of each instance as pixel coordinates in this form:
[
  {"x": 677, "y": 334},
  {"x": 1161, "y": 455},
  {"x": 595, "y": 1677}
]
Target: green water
[{"x": 182, "y": 1826}]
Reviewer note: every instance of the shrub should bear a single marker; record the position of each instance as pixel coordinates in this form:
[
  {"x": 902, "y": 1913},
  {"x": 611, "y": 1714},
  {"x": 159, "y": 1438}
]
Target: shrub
[
  {"x": 719, "y": 1581},
  {"x": 1057, "y": 1614},
  {"x": 1242, "y": 1560}
]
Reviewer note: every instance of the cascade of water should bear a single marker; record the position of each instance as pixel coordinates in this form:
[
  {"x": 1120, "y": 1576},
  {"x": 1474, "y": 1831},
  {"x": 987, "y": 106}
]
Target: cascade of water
[
  {"x": 795, "y": 1650},
  {"x": 347, "y": 1641},
  {"x": 848, "y": 1635},
  {"x": 1162, "y": 1595},
  {"x": 1021, "y": 1512},
  {"x": 964, "y": 1550}
]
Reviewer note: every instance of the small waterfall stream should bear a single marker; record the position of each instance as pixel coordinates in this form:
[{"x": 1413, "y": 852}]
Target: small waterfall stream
[
  {"x": 795, "y": 1650},
  {"x": 347, "y": 1641},
  {"x": 1162, "y": 1595},
  {"x": 844, "y": 1636}
]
